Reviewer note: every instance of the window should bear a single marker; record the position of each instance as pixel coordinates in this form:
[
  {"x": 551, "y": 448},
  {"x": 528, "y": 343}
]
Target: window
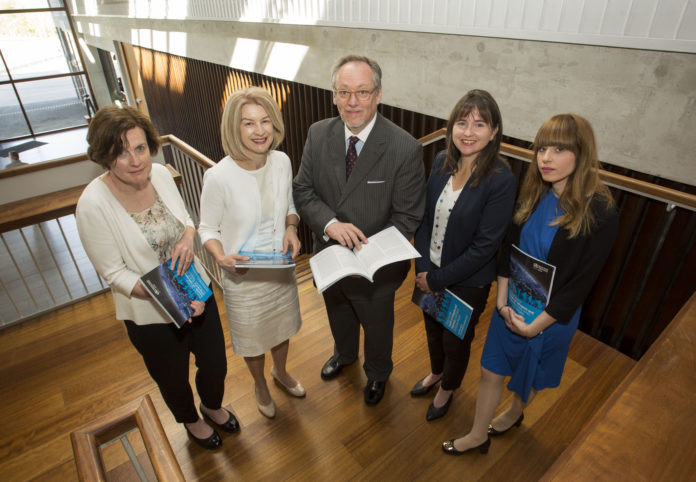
[{"x": 43, "y": 85}]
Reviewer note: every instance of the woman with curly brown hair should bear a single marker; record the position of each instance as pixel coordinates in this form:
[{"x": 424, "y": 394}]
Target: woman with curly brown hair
[{"x": 131, "y": 219}]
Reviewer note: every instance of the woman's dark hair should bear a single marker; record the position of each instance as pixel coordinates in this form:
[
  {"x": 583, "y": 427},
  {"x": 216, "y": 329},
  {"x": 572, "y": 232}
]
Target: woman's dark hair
[
  {"x": 107, "y": 131},
  {"x": 486, "y": 105}
]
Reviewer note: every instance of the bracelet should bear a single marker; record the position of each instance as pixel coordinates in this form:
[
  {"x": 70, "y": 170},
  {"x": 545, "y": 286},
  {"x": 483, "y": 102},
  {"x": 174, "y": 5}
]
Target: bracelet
[
  {"x": 291, "y": 226},
  {"x": 500, "y": 309}
]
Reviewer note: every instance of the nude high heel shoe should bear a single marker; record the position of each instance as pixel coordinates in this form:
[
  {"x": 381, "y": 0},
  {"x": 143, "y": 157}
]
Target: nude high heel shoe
[
  {"x": 296, "y": 391},
  {"x": 269, "y": 410}
]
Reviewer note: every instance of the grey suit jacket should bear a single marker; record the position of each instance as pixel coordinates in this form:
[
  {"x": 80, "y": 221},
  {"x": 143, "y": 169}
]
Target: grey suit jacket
[{"x": 386, "y": 187}]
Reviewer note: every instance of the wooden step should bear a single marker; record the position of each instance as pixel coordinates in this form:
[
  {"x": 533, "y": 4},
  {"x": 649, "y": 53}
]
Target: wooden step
[
  {"x": 645, "y": 431},
  {"x": 64, "y": 369}
]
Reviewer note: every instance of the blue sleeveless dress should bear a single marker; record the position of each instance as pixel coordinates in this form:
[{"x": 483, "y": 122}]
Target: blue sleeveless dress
[{"x": 532, "y": 362}]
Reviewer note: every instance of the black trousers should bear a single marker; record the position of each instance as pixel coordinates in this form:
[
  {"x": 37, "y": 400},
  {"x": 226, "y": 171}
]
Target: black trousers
[
  {"x": 354, "y": 302},
  {"x": 165, "y": 350},
  {"x": 448, "y": 354}
]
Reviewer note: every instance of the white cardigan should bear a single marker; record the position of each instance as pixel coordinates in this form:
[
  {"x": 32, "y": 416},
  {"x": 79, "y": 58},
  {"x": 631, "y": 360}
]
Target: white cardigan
[
  {"x": 117, "y": 247},
  {"x": 231, "y": 205}
]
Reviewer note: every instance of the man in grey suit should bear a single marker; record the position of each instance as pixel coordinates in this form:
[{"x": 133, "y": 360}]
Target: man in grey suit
[{"x": 360, "y": 174}]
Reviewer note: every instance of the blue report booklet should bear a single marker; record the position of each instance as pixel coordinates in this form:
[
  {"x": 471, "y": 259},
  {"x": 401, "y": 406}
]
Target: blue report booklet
[
  {"x": 174, "y": 293},
  {"x": 447, "y": 308},
  {"x": 529, "y": 285},
  {"x": 266, "y": 259}
]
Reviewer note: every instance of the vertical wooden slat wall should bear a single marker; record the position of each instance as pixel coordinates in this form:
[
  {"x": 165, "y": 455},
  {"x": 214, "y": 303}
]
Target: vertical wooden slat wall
[
  {"x": 186, "y": 98},
  {"x": 647, "y": 279}
]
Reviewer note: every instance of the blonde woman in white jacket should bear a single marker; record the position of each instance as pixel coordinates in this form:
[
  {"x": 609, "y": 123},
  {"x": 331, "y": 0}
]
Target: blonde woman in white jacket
[
  {"x": 246, "y": 205},
  {"x": 131, "y": 219}
]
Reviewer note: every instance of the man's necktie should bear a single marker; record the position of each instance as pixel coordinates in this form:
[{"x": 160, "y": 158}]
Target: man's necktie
[{"x": 351, "y": 155}]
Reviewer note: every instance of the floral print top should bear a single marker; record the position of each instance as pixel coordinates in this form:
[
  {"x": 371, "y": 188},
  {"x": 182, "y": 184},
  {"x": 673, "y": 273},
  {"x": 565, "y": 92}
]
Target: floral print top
[{"x": 160, "y": 228}]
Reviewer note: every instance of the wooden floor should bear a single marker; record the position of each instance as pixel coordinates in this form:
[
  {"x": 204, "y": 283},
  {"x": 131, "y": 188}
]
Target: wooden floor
[{"x": 64, "y": 369}]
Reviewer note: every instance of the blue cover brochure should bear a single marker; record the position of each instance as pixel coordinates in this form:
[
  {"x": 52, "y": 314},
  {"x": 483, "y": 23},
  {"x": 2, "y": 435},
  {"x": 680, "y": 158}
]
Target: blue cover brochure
[
  {"x": 530, "y": 283},
  {"x": 266, "y": 259},
  {"x": 447, "y": 308},
  {"x": 174, "y": 293}
]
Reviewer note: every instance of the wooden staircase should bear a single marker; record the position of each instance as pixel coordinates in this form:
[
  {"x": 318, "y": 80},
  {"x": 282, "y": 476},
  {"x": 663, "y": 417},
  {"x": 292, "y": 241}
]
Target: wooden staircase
[{"x": 64, "y": 369}]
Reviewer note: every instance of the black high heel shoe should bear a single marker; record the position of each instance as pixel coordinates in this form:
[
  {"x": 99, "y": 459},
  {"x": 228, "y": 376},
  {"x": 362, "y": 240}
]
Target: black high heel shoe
[
  {"x": 494, "y": 432},
  {"x": 211, "y": 443},
  {"x": 231, "y": 425},
  {"x": 434, "y": 412},
  {"x": 448, "y": 447},
  {"x": 419, "y": 389}
]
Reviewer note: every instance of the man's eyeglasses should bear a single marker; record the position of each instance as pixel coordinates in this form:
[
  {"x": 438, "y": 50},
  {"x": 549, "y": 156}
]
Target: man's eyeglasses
[{"x": 359, "y": 94}]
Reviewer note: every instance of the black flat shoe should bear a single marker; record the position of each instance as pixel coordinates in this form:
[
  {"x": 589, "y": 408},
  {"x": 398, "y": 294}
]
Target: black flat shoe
[
  {"x": 434, "y": 413},
  {"x": 419, "y": 389},
  {"x": 448, "y": 447},
  {"x": 231, "y": 425},
  {"x": 332, "y": 368},
  {"x": 211, "y": 443},
  {"x": 494, "y": 432},
  {"x": 374, "y": 391}
]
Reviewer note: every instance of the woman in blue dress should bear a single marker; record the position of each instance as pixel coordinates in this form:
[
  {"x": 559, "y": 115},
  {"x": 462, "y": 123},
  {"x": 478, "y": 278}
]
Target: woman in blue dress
[{"x": 565, "y": 217}]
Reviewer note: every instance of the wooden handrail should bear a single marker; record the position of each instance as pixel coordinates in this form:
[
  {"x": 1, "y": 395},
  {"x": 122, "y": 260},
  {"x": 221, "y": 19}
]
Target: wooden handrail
[
  {"x": 40, "y": 166},
  {"x": 34, "y": 210},
  {"x": 198, "y": 156},
  {"x": 661, "y": 193},
  {"x": 433, "y": 136},
  {"x": 45, "y": 207},
  {"x": 139, "y": 414}
]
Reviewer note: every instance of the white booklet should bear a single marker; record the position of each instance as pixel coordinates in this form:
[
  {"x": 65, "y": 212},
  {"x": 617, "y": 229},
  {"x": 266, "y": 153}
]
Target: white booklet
[{"x": 336, "y": 262}]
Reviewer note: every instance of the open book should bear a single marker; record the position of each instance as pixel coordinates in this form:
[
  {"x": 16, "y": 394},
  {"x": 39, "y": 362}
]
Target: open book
[
  {"x": 174, "y": 293},
  {"x": 530, "y": 283},
  {"x": 266, "y": 259},
  {"x": 336, "y": 262},
  {"x": 447, "y": 308}
]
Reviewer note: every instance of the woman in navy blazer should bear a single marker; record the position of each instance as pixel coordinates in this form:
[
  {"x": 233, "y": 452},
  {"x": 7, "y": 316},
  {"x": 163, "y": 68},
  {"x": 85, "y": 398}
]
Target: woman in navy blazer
[{"x": 469, "y": 201}]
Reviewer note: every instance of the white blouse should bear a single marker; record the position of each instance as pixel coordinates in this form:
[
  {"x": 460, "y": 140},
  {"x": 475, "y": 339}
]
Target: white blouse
[
  {"x": 443, "y": 209},
  {"x": 231, "y": 207}
]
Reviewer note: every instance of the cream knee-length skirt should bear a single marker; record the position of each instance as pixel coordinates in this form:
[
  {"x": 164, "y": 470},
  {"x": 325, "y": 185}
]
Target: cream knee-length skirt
[{"x": 262, "y": 308}]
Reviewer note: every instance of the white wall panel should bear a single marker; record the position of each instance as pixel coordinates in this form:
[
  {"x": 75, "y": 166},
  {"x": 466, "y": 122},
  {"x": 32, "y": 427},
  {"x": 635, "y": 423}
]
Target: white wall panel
[
  {"x": 551, "y": 16},
  {"x": 571, "y": 16},
  {"x": 482, "y": 13},
  {"x": 666, "y": 21},
  {"x": 644, "y": 24},
  {"x": 498, "y": 14},
  {"x": 514, "y": 14},
  {"x": 640, "y": 18},
  {"x": 687, "y": 27},
  {"x": 467, "y": 14},
  {"x": 592, "y": 15},
  {"x": 531, "y": 15}
]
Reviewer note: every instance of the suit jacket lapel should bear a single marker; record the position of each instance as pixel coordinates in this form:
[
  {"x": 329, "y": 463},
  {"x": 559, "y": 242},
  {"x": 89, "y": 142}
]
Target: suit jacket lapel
[
  {"x": 370, "y": 154},
  {"x": 337, "y": 153}
]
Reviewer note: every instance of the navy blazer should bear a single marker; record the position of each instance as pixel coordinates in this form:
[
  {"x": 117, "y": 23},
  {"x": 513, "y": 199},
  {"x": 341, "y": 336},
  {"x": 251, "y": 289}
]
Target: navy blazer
[{"x": 478, "y": 222}]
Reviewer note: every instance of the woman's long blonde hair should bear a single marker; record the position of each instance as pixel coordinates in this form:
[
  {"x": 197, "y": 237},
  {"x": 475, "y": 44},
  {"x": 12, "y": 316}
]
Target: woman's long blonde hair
[{"x": 572, "y": 132}]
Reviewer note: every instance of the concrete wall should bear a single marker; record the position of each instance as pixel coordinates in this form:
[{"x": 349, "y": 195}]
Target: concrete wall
[{"x": 641, "y": 103}]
